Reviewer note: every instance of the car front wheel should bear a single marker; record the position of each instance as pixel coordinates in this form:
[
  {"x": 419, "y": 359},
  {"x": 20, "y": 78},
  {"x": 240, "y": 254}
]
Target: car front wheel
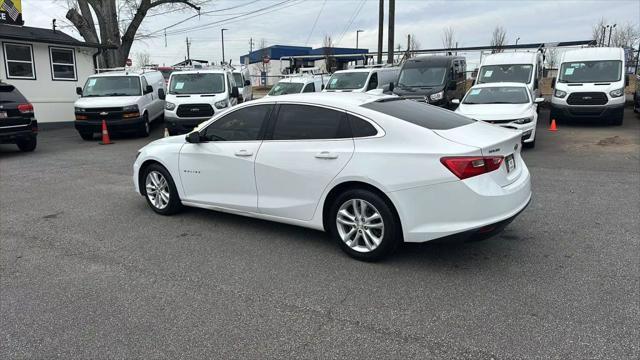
[
  {"x": 364, "y": 225},
  {"x": 160, "y": 190},
  {"x": 27, "y": 145}
]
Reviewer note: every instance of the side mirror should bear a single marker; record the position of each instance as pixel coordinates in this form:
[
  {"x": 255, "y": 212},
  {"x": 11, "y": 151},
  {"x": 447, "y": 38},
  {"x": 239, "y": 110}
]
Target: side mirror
[
  {"x": 553, "y": 82},
  {"x": 453, "y": 85},
  {"x": 247, "y": 83},
  {"x": 148, "y": 89},
  {"x": 79, "y": 91},
  {"x": 234, "y": 92},
  {"x": 455, "y": 101},
  {"x": 539, "y": 100},
  {"x": 161, "y": 94},
  {"x": 193, "y": 137}
]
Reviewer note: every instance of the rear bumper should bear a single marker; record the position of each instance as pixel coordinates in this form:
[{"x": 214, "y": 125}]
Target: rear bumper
[
  {"x": 476, "y": 206},
  {"x": 10, "y": 134},
  {"x": 586, "y": 112},
  {"x": 182, "y": 125},
  {"x": 94, "y": 126}
]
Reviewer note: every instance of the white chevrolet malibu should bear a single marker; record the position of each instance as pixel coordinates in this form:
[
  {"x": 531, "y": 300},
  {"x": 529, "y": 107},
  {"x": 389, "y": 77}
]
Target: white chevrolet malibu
[
  {"x": 373, "y": 171},
  {"x": 510, "y": 105}
]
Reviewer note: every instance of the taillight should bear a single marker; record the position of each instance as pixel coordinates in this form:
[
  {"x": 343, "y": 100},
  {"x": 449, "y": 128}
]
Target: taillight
[
  {"x": 465, "y": 167},
  {"x": 25, "y": 108}
]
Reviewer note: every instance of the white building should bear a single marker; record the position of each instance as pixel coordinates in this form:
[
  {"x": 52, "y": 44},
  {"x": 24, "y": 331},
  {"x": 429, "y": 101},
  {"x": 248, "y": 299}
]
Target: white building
[{"x": 46, "y": 66}]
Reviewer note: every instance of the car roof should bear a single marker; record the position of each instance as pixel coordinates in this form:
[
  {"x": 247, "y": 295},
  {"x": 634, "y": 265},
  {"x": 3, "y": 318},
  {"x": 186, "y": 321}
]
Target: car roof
[
  {"x": 297, "y": 79},
  {"x": 346, "y": 101},
  {"x": 521, "y": 57},
  {"x": 200, "y": 71},
  {"x": 593, "y": 53},
  {"x": 499, "y": 84},
  {"x": 118, "y": 73}
]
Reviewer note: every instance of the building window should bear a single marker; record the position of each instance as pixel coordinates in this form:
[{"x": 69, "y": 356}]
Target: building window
[
  {"x": 63, "y": 63},
  {"x": 18, "y": 60}
]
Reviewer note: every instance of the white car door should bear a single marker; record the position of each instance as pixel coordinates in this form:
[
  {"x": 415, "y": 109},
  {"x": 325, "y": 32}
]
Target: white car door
[
  {"x": 146, "y": 100},
  {"x": 219, "y": 170},
  {"x": 304, "y": 150}
]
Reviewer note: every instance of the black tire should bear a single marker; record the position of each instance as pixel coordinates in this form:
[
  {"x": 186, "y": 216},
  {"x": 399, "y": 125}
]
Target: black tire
[
  {"x": 27, "y": 145},
  {"x": 530, "y": 145},
  {"x": 391, "y": 233},
  {"x": 87, "y": 136},
  {"x": 174, "y": 205},
  {"x": 145, "y": 128}
]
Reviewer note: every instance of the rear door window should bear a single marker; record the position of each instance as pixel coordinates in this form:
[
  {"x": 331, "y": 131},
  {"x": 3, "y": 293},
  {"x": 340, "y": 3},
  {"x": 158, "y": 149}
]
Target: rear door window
[
  {"x": 418, "y": 113},
  {"x": 306, "y": 122}
]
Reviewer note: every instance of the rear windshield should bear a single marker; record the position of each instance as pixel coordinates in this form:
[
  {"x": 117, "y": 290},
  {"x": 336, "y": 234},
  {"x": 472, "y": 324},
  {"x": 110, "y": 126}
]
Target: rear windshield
[
  {"x": 347, "y": 81},
  {"x": 206, "y": 83},
  {"x": 284, "y": 88},
  {"x": 497, "y": 95},
  {"x": 419, "y": 113},
  {"x": 520, "y": 73}
]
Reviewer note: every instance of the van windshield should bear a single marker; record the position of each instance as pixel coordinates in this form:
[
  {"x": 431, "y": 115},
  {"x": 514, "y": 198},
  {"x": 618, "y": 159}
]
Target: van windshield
[
  {"x": 112, "y": 86},
  {"x": 590, "y": 71},
  {"x": 422, "y": 76},
  {"x": 284, "y": 88},
  {"x": 196, "y": 84},
  {"x": 347, "y": 80},
  {"x": 497, "y": 95},
  {"x": 520, "y": 73}
]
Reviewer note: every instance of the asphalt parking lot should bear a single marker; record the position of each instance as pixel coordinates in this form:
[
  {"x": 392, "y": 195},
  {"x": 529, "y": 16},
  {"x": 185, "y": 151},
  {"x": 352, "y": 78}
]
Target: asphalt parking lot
[{"x": 88, "y": 271}]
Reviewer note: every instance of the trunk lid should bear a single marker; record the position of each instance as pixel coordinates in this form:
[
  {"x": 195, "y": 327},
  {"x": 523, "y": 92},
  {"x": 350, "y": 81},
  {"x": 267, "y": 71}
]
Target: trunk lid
[{"x": 492, "y": 141}]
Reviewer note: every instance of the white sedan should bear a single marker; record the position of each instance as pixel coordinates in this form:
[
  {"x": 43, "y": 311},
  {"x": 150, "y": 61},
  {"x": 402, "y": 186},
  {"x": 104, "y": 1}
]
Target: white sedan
[
  {"x": 507, "y": 104},
  {"x": 373, "y": 171}
]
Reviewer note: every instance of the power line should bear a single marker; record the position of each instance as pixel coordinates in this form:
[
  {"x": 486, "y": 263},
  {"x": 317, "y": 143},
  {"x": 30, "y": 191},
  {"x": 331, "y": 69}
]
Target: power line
[
  {"x": 351, "y": 20},
  {"x": 315, "y": 22}
]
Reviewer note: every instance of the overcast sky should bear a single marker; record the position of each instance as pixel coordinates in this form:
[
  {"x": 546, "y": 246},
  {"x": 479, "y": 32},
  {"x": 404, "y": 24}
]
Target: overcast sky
[{"x": 290, "y": 22}]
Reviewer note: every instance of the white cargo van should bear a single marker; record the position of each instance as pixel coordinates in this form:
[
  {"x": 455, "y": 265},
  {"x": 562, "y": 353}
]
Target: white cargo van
[
  {"x": 362, "y": 79},
  {"x": 196, "y": 95},
  {"x": 243, "y": 82},
  {"x": 297, "y": 84},
  {"x": 590, "y": 85},
  {"x": 522, "y": 67},
  {"x": 126, "y": 100}
]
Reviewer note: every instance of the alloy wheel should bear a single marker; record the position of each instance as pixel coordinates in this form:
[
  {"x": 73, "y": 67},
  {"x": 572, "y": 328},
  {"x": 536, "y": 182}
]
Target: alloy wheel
[
  {"x": 360, "y": 225},
  {"x": 157, "y": 189}
]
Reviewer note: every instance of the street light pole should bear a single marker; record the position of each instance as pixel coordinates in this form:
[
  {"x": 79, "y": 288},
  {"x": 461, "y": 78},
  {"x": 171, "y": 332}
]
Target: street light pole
[
  {"x": 222, "y": 33},
  {"x": 358, "y": 33}
]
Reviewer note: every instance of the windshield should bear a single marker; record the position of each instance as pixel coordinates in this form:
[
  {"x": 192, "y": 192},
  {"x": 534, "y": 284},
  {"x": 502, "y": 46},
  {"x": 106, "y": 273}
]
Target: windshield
[
  {"x": 197, "y": 84},
  {"x": 422, "y": 76},
  {"x": 238, "y": 78},
  {"x": 347, "y": 81},
  {"x": 497, "y": 95},
  {"x": 112, "y": 86},
  {"x": 283, "y": 88},
  {"x": 505, "y": 73},
  {"x": 590, "y": 71}
]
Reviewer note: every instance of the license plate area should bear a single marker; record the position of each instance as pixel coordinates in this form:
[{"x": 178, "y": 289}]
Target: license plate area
[
  {"x": 511, "y": 163},
  {"x": 3, "y": 114}
]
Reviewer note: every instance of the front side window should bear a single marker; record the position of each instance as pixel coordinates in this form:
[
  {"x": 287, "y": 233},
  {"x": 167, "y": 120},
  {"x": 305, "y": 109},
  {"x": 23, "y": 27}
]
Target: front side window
[
  {"x": 283, "y": 88},
  {"x": 19, "y": 61},
  {"x": 497, "y": 95},
  {"x": 304, "y": 122},
  {"x": 422, "y": 76},
  {"x": 347, "y": 81},
  {"x": 373, "y": 82},
  {"x": 144, "y": 83},
  {"x": 241, "y": 125},
  {"x": 112, "y": 86},
  {"x": 520, "y": 73},
  {"x": 590, "y": 71},
  {"x": 196, "y": 83},
  {"x": 63, "y": 63},
  {"x": 310, "y": 87}
]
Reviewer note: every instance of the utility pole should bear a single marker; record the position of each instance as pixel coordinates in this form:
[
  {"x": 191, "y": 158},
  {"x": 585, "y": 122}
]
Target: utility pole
[
  {"x": 250, "y": 46},
  {"x": 392, "y": 14},
  {"x": 380, "y": 29},
  {"x": 408, "y": 46},
  {"x": 222, "y": 32},
  {"x": 188, "y": 54},
  {"x": 358, "y": 33}
]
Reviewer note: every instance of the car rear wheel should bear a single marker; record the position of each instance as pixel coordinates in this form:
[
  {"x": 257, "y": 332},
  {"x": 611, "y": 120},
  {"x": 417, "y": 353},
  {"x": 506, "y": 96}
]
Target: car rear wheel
[
  {"x": 160, "y": 190},
  {"x": 364, "y": 225},
  {"x": 87, "y": 136},
  {"x": 27, "y": 145}
]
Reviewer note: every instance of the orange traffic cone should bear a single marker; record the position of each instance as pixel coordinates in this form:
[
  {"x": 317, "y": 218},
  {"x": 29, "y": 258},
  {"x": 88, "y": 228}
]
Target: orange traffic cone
[
  {"x": 553, "y": 126},
  {"x": 105, "y": 135}
]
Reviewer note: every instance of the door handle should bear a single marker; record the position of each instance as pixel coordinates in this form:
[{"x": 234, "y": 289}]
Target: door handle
[
  {"x": 326, "y": 155},
  {"x": 243, "y": 153}
]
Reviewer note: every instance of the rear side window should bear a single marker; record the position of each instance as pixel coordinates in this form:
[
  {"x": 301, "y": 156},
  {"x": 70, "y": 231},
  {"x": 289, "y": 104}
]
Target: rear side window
[
  {"x": 304, "y": 122},
  {"x": 361, "y": 128},
  {"x": 421, "y": 114}
]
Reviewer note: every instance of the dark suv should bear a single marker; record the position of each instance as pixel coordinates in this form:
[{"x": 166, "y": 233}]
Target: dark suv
[{"x": 17, "y": 123}]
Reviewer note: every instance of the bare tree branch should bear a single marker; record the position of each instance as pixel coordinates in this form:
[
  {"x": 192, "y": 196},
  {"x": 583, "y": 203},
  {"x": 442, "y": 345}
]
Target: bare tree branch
[
  {"x": 498, "y": 39},
  {"x": 448, "y": 38}
]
